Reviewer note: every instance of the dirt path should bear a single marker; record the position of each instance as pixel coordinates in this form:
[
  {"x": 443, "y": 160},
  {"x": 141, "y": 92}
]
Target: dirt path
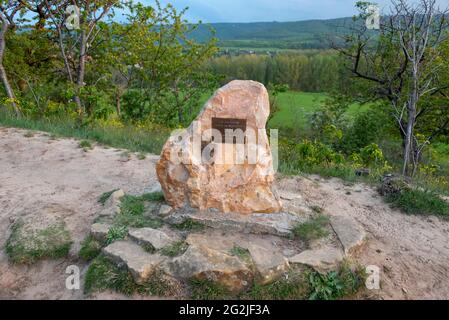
[
  {"x": 412, "y": 252},
  {"x": 38, "y": 173}
]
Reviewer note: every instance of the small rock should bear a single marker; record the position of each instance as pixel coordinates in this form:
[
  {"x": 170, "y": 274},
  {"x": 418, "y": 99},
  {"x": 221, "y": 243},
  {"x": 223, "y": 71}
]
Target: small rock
[
  {"x": 158, "y": 239},
  {"x": 322, "y": 260},
  {"x": 270, "y": 265},
  {"x": 278, "y": 224},
  {"x": 140, "y": 263},
  {"x": 349, "y": 232},
  {"x": 99, "y": 231},
  {"x": 165, "y": 210},
  {"x": 201, "y": 262},
  {"x": 112, "y": 205},
  {"x": 288, "y": 195}
]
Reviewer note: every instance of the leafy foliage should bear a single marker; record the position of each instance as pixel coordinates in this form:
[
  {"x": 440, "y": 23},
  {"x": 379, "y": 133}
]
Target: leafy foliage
[
  {"x": 419, "y": 202},
  {"x": 334, "y": 284}
]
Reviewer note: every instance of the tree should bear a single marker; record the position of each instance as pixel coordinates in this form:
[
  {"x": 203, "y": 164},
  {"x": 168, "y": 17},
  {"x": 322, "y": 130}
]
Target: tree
[
  {"x": 159, "y": 66},
  {"x": 9, "y": 10},
  {"x": 400, "y": 64},
  {"x": 76, "y": 40}
]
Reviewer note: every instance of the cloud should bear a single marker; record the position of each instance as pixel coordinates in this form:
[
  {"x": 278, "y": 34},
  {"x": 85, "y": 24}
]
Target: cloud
[{"x": 268, "y": 10}]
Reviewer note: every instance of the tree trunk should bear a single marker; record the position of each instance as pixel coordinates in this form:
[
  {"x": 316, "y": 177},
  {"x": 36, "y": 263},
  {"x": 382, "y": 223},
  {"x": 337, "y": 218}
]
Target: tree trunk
[
  {"x": 3, "y": 75},
  {"x": 118, "y": 99},
  {"x": 81, "y": 71}
]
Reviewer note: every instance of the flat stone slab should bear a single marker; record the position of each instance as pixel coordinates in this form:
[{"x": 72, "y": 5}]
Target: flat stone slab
[
  {"x": 322, "y": 260},
  {"x": 156, "y": 238},
  {"x": 279, "y": 224},
  {"x": 201, "y": 262},
  {"x": 99, "y": 231},
  {"x": 140, "y": 263},
  {"x": 270, "y": 265},
  {"x": 349, "y": 232}
]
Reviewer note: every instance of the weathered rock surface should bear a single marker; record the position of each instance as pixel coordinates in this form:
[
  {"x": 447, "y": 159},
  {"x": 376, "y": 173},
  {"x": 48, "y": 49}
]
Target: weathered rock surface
[
  {"x": 322, "y": 260},
  {"x": 270, "y": 265},
  {"x": 349, "y": 232},
  {"x": 201, "y": 262},
  {"x": 141, "y": 264},
  {"x": 156, "y": 238},
  {"x": 99, "y": 231},
  {"x": 165, "y": 210},
  {"x": 112, "y": 205},
  {"x": 279, "y": 224},
  {"x": 223, "y": 183}
]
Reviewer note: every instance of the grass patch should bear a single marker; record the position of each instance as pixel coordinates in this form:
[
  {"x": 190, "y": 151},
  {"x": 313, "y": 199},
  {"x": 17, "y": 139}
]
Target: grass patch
[
  {"x": 313, "y": 229},
  {"x": 189, "y": 225},
  {"x": 29, "y": 134},
  {"x": 202, "y": 289},
  {"x": 153, "y": 197},
  {"x": 27, "y": 246},
  {"x": 90, "y": 248},
  {"x": 105, "y": 275},
  {"x": 115, "y": 234},
  {"x": 136, "y": 221},
  {"x": 131, "y": 205},
  {"x": 150, "y": 140},
  {"x": 174, "y": 250},
  {"x": 85, "y": 145},
  {"x": 141, "y": 156},
  {"x": 317, "y": 209},
  {"x": 105, "y": 196},
  {"x": 335, "y": 284},
  {"x": 419, "y": 202}
]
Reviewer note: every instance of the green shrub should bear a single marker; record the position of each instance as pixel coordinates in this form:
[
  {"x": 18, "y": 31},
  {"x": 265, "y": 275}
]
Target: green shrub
[
  {"x": 334, "y": 284},
  {"x": 413, "y": 201}
]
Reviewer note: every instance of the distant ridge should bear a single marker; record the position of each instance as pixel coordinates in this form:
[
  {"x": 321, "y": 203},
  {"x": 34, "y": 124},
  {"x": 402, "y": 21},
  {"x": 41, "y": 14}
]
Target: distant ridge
[{"x": 309, "y": 34}]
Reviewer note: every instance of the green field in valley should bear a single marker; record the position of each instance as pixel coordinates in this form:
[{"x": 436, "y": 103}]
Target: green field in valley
[{"x": 295, "y": 108}]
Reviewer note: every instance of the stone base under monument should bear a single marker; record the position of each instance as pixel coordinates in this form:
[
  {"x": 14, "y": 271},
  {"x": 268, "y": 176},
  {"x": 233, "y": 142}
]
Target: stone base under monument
[{"x": 232, "y": 250}]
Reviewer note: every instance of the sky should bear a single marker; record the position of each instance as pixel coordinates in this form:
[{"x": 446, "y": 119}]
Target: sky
[{"x": 210, "y": 11}]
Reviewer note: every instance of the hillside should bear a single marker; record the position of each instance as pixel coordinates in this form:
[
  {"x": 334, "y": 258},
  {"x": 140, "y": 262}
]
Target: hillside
[{"x": 311, "y": 34}]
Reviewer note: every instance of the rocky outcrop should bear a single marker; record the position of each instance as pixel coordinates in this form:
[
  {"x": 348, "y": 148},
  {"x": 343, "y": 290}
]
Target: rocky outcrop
[{"x": 228, "y": 176}]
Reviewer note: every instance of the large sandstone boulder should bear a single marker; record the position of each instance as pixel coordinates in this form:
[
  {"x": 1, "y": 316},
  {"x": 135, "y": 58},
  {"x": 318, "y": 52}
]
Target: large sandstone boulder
[{"x": 205, "y": 171}]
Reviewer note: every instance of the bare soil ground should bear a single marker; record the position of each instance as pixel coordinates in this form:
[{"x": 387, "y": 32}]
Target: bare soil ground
[{"x": 40, "y": 174}]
